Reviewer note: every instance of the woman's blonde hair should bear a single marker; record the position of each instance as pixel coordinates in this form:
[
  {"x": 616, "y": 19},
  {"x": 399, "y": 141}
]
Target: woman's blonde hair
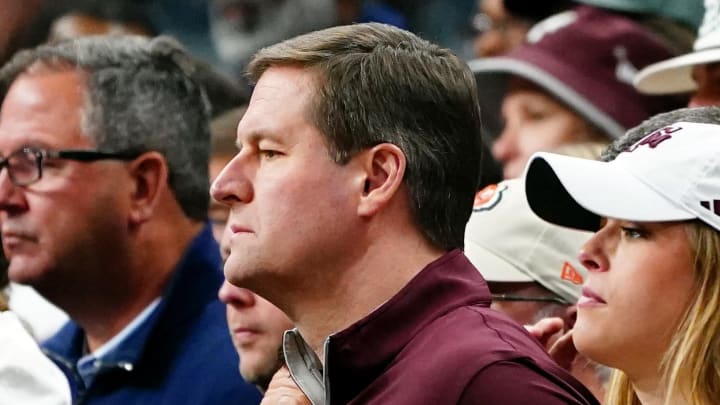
[{"x": 691, "y": 366}]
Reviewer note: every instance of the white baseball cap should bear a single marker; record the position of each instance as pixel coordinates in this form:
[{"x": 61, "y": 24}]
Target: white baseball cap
[
  {"x": 508, "y": 243},
  {"x": 675, "y": 75},
  {"x": 671, "y": 174}
]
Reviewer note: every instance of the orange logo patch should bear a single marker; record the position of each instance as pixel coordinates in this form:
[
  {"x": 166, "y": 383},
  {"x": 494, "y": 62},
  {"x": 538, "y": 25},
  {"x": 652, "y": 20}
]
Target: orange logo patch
[
  {"x": 488, "y": 197},
  {"x": 570, "y": 274}
]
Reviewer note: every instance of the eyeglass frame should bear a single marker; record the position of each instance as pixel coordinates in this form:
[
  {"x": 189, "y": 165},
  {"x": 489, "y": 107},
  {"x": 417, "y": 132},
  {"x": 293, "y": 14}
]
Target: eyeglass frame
[
  {"x": 521, "y": 298},
  {"x": 80, "y": 155}
]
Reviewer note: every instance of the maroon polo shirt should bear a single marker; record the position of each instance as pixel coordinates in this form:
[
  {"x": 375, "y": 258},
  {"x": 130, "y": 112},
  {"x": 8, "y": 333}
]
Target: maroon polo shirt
[{"x": 438, "y": 342}]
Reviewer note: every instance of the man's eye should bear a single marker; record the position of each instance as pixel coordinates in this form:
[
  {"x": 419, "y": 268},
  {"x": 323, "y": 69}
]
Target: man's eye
[{"x": 267, "y": 153}]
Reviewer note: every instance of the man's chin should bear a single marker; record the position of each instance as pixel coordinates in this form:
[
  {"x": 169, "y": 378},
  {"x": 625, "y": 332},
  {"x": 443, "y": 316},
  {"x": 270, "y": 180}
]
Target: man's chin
[
  {"x": 259, "y": 376},
  {"x": 22, "y": 270}
]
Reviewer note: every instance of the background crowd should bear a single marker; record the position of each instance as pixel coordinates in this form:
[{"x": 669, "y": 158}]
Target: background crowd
[{"x": 114, "y": 289}]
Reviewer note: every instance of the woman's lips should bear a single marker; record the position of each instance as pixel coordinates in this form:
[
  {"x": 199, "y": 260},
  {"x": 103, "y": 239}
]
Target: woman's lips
[{"x": 590, "y": 298}]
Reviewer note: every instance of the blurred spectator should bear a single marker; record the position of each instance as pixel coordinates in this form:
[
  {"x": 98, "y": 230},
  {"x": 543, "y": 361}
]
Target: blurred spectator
[
  {"x": 501, "y": 25},
  {"x": 92, "y": 17},
  {"x": 256, "y": 326},
  {"x": 442, "y": 21},
  {"x": 571, "y": 82},
  {"x": 27, "y": 376},
  {"x": 360, "y": 11},
  {"x": 41, "y": 318},
  {"x": 189, "y": 22},
  {"x": 687, "y": 13},
  {"x": 104, "y": 211},
  {"x": 672, "y": 22},
  {"x": 240, "y": 27},
  {"x": 530, "y": 265},
  {"x": 25, "y": 23},
  {"x": 697, "y": 72}
]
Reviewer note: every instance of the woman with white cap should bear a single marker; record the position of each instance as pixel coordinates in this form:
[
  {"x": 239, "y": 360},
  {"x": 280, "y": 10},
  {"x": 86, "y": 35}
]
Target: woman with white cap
[{"x": 651, "y": 302}]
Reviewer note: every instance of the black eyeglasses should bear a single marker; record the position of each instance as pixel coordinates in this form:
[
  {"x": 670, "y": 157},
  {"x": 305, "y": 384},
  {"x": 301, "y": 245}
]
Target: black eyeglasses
[
  {"x": 511, "y": 297},
  {"x": 25, "y": 165}
]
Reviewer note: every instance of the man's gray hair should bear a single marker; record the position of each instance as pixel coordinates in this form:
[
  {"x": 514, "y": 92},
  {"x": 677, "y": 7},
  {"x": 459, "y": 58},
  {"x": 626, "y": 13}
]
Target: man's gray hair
[{"x": 141, "y": 95}]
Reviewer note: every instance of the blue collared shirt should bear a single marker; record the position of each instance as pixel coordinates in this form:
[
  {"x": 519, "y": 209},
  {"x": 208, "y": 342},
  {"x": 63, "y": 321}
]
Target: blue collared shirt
[{"x": 179, "y": 352}]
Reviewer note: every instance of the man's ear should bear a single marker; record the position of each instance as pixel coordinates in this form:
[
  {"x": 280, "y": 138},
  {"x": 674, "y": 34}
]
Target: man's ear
[
  {"x": 384, "y": 168},
  {"x": 149, "y": 174}
]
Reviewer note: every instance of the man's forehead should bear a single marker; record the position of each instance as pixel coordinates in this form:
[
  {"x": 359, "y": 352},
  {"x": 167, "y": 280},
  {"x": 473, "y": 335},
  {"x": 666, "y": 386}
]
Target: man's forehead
[
  {"x": 41, "y": 86},
  {"x": 281, "y": 98},
  {"x": 280, "y": 82},
  {"x": 42, "y": 109}
]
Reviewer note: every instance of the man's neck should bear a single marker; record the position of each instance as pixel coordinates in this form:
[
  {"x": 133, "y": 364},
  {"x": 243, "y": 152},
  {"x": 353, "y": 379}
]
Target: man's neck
[
  {"x": 149, "y": 267},
  {"x": 364, "y": 287},
  {"x": 98, "y": 334}
]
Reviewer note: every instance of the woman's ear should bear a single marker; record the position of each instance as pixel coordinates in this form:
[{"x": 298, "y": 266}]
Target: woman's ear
[
  {"x": 149, "y": 174},
  {"x": 384, "y": 167}
]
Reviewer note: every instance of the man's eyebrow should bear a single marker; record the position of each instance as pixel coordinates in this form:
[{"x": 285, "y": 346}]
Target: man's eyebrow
[{"x": 255, "y": 137}]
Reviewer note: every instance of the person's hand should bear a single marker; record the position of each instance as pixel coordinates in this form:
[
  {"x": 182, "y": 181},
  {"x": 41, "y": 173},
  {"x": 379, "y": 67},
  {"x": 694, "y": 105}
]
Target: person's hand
[
  {"x": 546, "y": 330},
  {"x": 283, "y": 390},
  {"x": 559, "y": 344}
]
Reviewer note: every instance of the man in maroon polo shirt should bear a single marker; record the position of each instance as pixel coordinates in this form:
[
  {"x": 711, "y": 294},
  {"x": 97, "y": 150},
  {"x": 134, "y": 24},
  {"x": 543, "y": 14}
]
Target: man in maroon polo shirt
[{"x": 358, "y": 165}]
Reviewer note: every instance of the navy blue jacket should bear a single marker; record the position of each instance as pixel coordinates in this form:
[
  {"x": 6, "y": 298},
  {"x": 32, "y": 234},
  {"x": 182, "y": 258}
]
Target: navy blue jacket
[{"x": 181, "y": 354}]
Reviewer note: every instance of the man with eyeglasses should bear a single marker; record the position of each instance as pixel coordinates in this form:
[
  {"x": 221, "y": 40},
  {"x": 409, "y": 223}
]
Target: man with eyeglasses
[
  {"x": 103, "y": 209},
  {"x": 530, "y": 265}
]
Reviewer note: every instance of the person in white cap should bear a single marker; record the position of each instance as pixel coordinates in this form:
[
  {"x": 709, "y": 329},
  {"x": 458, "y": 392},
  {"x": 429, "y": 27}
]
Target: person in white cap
[
  {"x": 650, "y": 302},
  {"x": 530, "y": 265},
  {"x": 697, "y": 72}
]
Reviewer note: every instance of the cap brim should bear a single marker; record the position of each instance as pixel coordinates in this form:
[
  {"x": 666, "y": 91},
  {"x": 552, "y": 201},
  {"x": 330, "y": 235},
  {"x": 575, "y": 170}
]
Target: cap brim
[
  {"x": 492, "y": 67},
  {"x": 576, "y": 193},
  {"x": 492, "y": 267},
  {"x": 674, "y": 75}
]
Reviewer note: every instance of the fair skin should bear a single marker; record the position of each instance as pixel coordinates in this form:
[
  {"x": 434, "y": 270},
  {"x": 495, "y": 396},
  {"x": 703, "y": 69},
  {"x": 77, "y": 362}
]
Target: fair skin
[
  {"x": 218, "y": 212},
  {"x": 639, "y": 284},
  {"x": 256, "y": 327},
  {"x": 308, "y": 234},
  {"x": 707, "y": 77},
  {"x": 284, "y": 391},
  {"x": 74, "y": 25},
  {"x": 534, "y": 121},
  {"x": 84, "y": 242},
  {"x": 553, "y": 335},
  {"x": 505, "y": 33}
]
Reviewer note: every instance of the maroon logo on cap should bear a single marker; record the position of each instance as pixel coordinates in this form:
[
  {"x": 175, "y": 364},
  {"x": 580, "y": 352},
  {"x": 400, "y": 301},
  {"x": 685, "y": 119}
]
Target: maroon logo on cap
[
  {"x": 715, "y": 208},
  {"x": 654, "y": 139}
]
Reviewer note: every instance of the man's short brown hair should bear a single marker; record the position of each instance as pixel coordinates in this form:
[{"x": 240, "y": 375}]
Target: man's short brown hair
[{"x": 376, "y": 84}]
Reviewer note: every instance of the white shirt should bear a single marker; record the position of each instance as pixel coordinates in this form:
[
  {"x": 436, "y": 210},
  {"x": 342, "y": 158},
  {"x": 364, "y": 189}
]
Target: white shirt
[{"x": 26, "y": 375}]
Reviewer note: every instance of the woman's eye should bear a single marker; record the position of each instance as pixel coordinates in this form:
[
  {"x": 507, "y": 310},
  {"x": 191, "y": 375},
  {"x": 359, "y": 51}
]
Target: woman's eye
[
  {"x": 536, "y": 114},
  {"x": 633, "y": 233}
]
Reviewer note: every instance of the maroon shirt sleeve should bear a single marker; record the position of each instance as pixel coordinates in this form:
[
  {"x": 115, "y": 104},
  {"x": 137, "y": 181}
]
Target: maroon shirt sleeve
[{"x": 511, "y": 383}]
